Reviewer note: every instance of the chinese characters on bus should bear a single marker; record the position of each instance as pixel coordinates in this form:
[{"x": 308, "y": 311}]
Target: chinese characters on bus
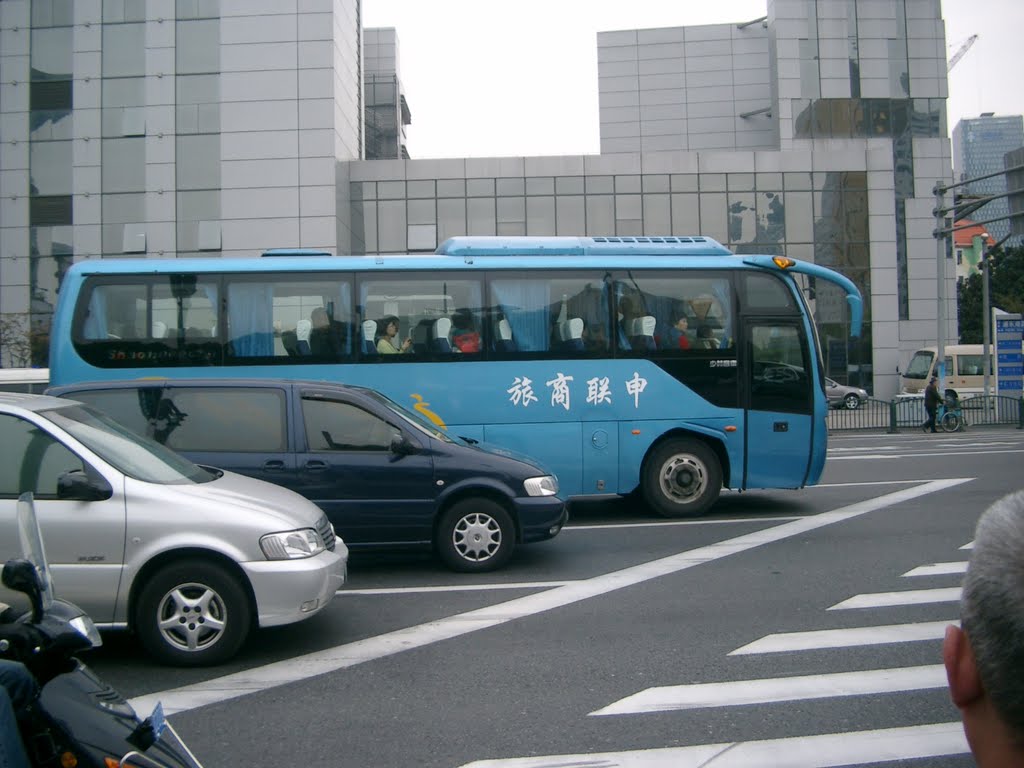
[{"x": 599, "y": 390}]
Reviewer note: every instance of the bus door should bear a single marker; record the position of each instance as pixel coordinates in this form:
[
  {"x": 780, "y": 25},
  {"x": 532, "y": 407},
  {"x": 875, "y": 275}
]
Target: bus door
[{"x": 779, "y": 402}]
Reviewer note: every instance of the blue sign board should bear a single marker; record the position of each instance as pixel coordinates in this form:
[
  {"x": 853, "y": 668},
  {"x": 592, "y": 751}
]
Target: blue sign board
[{"x": 1009, "y": 357}]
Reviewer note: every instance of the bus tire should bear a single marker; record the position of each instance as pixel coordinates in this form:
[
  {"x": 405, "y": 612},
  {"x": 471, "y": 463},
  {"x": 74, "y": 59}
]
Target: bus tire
[
  {"x": 475, "y": 535},
  {"x": 192, "y": 613},
  {"x": 682, "y": 478}
]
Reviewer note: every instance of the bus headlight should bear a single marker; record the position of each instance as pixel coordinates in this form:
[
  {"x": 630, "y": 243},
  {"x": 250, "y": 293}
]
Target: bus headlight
[
  {"x": 541, "y": 486},
  {"x": 291, "y": 545}
]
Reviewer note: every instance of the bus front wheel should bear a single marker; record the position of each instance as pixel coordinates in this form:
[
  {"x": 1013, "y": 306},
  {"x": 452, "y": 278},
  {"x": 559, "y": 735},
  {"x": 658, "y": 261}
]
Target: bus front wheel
[{"x": 682, "y": 478}]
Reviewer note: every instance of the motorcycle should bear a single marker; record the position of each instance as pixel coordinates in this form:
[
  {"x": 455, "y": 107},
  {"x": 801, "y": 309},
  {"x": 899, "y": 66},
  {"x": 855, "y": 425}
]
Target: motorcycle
[{"x": 78, "y": 721}]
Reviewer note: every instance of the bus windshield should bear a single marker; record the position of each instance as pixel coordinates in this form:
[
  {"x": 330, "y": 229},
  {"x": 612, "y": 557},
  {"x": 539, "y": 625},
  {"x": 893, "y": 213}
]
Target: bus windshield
[{"x": 665, "y": 365}]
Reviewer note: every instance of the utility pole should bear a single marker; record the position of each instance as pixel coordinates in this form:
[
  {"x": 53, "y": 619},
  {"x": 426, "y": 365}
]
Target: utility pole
[
  {"x": 941, "y": 233},
  {"x": 986, "y": 332}
]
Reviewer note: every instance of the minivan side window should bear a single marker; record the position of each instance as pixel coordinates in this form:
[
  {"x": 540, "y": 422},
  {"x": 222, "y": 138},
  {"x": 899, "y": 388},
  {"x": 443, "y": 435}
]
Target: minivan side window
[
  {"x": 335, "y": 426},
  {"x": 44, "y": 459},
  {"x": 222, "y": 419},
  {"x": 127, "y": 406},
  {"x": 198, "y": 419}
]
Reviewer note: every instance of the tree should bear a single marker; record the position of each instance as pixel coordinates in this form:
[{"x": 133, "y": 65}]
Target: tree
[
  {"x": 1006, "y": 291},
  {"x": 15, "y": 342}
]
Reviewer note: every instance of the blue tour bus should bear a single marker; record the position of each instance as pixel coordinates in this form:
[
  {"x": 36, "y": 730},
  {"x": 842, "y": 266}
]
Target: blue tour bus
[{"x": 665, "y": 364}]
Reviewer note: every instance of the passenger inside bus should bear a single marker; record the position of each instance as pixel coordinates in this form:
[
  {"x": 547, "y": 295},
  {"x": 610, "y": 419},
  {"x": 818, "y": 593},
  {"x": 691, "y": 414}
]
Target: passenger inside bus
[
  {"x": 387, "y": 337},
  {"x": 706, "y": 338},
  {"x": 325, "y": 335},
  {"x": 464, "y": 333},
  {"x": 678, "y": 334}
]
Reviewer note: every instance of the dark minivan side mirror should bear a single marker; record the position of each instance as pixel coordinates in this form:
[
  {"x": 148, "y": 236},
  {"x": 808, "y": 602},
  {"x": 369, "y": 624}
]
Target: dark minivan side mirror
[{"x": 401, "y": 445}]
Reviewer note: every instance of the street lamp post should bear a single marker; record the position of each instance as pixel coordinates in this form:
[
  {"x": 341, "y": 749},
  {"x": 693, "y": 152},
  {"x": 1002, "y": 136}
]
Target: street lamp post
[{"x": 986, "y": 321}]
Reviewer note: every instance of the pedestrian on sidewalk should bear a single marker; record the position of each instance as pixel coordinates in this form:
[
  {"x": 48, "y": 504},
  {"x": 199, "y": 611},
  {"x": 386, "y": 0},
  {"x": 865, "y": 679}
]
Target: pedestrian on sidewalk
[
  {"x": 931, "y": 402},
  {"x": 984, "y": 656}
]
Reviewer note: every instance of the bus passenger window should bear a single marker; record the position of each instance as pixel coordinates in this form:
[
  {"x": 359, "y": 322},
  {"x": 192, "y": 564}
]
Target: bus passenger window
[{"x": 669, "y": 310}]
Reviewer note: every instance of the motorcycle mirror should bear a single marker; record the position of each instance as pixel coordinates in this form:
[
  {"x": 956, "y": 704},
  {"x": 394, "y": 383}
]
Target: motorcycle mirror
[{"x": 21, "y": 576}]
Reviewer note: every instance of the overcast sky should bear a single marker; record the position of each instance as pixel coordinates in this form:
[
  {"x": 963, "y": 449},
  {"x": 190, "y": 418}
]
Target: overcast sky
[{"x": 490, "y": 79}]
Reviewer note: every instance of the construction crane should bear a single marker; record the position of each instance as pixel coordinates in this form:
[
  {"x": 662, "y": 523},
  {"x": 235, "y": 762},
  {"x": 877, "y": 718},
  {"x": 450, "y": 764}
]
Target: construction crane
[{"x": 961, "y": 51}]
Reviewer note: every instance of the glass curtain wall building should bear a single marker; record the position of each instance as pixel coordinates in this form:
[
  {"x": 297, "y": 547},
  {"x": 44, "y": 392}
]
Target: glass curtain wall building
[
  {"x": 176, "y": 127},
  {"x": 817, "y": 131},
  {"x": 979, "y": 146}
]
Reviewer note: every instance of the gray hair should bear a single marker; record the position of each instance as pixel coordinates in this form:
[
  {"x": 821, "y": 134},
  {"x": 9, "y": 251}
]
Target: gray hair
[{"x": 992, "y": 607}]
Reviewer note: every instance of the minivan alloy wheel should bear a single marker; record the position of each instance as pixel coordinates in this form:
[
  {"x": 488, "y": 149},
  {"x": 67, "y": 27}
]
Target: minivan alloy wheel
[
  {"x": 192, "y": 613},
  {"x": 475, "y": 535}
]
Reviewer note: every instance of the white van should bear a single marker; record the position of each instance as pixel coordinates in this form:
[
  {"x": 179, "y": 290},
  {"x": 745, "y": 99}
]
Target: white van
[
  {"x": 965, "y": 370},
  {"x": 140, "y": 538}
]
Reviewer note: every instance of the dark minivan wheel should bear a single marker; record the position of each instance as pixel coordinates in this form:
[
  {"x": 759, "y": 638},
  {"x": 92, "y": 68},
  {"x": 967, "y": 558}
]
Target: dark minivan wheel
[{"x": 475, "y": 535}]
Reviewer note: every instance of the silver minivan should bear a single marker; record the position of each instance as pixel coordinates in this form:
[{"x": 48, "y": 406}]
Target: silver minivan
[{"x": 190, "y": 558}]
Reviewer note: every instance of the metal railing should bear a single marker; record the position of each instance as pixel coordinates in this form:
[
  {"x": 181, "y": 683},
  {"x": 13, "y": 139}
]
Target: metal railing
[{"x": 902, "y": 414}]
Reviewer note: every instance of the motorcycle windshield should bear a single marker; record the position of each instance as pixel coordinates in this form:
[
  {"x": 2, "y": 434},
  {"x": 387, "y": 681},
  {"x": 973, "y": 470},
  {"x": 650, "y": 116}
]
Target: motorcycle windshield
[{"x": 32, "y": 546}]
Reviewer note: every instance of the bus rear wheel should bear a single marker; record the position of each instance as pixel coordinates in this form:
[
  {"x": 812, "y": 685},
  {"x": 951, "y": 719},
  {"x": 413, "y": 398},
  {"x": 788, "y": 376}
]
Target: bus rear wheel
[{"x": 682, "y": 478}]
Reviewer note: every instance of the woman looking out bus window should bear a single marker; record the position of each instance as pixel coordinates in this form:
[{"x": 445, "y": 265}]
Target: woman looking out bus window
[{"x": 387, "y": 344}]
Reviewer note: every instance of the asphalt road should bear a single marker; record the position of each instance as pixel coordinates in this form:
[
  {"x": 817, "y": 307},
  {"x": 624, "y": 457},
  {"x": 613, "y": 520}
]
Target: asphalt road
[{"x": 803, "y": 625}]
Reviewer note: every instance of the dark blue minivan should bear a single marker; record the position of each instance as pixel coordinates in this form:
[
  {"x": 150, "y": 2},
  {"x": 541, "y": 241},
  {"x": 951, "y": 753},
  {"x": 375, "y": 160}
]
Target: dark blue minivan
[{"x": 385, "y": 476}]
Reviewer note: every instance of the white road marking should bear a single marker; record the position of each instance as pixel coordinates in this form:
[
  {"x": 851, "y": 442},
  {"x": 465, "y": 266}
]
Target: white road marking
[
  {"x": 916, "y": 455},
  {"x": 782, "y": 642},
  {"x": 821, "y": 751},
  {"x": 968, "y": 545},
  {"x": 454, "y": 588},
  {"x": 938, "y": 569},
  {"x": 343, "y": 656},
  {"x": 674, "y": 523},
  {"x": 867, "y": 482},
  {"x": 906, "y": 597},
  {"x": 931, "y": 444},
  {"x": 744, "y": 692}
]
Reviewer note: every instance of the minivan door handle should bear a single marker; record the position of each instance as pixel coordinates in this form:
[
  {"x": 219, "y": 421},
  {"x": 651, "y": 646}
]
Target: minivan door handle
[
  {"x": 273, "y": 465},
  {"x": 315, "y": 466}
]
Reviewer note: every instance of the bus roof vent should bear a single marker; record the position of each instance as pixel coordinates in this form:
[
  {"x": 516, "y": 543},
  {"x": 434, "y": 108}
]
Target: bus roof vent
[
  {"x": 295, "y": 252},
  {"x": 581, "y": 246}
]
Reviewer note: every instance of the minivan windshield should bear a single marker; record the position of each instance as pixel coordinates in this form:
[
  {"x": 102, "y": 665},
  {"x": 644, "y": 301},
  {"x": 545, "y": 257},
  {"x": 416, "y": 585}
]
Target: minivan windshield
[
  {"x": 131, "y": 454},
  {"x": 920, "y": 365},
  {"x": 410, "y": 417}
]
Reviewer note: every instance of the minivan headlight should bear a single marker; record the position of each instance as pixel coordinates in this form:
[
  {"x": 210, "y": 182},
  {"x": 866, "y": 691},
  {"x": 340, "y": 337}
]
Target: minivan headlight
[
  {"x": 541, "y": 486},
  {"x": 292, "y": 545}
]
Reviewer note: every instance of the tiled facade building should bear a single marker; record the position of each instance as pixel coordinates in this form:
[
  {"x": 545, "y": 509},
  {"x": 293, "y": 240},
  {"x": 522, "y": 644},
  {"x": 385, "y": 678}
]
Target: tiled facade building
[{"x": 231, "y": 126}]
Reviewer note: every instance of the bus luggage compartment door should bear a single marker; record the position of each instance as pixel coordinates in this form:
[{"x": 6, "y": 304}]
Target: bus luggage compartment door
[{"x": 600, "y": 457}]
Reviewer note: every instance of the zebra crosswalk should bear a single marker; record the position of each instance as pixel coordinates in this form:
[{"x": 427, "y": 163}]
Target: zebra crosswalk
[{"x": 863, "y": 747}]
